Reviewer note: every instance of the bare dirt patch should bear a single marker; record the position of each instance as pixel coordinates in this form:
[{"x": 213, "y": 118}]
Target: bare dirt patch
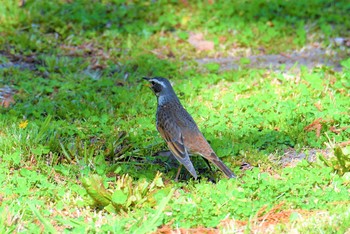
[{"x": 310, "y": 56}]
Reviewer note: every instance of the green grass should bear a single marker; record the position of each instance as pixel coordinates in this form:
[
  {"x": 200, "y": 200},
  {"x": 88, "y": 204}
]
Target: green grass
[{"x": 77, "y": 147}]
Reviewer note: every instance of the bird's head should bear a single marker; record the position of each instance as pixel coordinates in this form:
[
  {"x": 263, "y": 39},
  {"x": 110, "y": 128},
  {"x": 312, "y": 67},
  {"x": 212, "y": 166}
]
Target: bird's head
[{"x": 160, "y": 86}]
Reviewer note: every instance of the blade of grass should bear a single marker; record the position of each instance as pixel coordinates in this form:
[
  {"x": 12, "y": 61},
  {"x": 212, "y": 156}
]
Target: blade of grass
[
  {"x": 48, "y": 226},
  {"x": 65, "y": 153},
  {"x": 148, "y": 227},
  {"x": 43, "y": 129}
]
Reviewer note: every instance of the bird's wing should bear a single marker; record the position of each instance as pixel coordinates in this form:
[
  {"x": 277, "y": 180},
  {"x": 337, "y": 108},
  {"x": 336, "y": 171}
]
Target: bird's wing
[
  {"x": 174, "y": 139},
  {"x": 187, "y": 125}
]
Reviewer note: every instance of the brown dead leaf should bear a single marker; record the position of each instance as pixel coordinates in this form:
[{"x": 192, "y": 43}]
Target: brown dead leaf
[
  {"x": 16, "y": 58},
  {"x": 344, "y": 143},
  {"x": 315, "y": 126},
  {"x": 270, "y": 24},
  {"x": 264, "y": 223},
  {"x": 97, "y": 66},
  {"x": 347, "y": 42},
  {"x": 184, "y": 2},
  {"x": 7, "y": 101},
  {"x": 197, "y": 41},
  {"x": 318, "y": 105},
  {"x": 98, "y": 57},
  {"x": 163, "y": 52},
  {"x": 337, "y": 130},
  {"x": 166, "y": 229},
  {"x": 286, "y": 55},
  {"x": 222, "y": 39},
  {"x": 6, "y": 96}
]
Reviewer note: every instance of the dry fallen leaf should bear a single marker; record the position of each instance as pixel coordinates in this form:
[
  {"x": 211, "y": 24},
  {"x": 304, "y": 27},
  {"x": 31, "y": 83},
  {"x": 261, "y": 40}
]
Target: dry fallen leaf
[
  {"x": 337, "y": 130},
  {"x": 318, "y": 105},
  {"x": 316, "y": 125},
  {"x": 6, "y": 96},
  {"x": 344, "y": 143},
  {"x": 197, "y": 40}
]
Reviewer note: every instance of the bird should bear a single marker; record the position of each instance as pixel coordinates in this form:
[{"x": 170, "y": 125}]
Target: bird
[{"x": 180, "y": 131}]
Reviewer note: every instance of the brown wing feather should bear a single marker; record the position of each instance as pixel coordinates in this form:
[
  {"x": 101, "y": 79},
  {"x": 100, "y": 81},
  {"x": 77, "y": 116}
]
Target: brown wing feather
[
  {"x": 197, "y": 142},
  {"x": 177, "y": 147}
]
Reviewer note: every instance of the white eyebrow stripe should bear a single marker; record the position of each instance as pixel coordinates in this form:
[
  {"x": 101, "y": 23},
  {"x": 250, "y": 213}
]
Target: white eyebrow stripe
[{"x": 159, "y": 82}]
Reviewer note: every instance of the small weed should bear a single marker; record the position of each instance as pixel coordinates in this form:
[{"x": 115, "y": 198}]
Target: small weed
[
  {"x": 126, "y": 194},
  {"x": 340, "y": 161}
]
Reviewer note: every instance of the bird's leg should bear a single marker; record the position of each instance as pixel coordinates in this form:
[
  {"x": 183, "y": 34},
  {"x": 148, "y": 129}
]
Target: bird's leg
[
  {"x": 212, "y": 174},
  {"x": 178, "y": 173},
  {"x": 207, "y": 161}
]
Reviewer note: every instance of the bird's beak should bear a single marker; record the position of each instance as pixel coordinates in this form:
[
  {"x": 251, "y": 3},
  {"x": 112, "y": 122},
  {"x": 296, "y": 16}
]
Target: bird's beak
[{"x": 148, "y": 84}]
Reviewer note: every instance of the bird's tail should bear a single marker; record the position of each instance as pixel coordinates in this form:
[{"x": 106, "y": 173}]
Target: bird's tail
[{"x": 224, "y": 168}]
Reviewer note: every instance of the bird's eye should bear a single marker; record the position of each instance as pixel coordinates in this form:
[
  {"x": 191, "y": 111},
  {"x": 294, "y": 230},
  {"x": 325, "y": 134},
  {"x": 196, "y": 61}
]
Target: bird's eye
[{"x": 152, "y": 82}]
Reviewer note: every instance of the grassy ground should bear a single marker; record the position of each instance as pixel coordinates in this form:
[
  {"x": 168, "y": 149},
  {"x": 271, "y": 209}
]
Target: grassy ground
[{"x": 78, "y": 144}]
